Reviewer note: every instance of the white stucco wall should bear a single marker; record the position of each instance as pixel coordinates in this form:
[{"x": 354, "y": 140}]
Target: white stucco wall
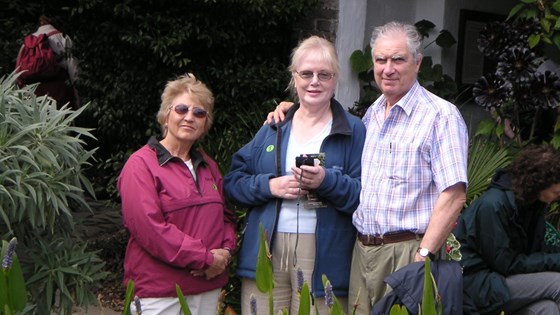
[{"x": 351, "y": 24}]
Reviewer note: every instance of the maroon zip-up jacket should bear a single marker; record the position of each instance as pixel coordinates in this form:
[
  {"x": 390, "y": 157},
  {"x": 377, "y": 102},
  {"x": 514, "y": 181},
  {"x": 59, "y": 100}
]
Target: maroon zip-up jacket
[{"x": 173, "y": 220}]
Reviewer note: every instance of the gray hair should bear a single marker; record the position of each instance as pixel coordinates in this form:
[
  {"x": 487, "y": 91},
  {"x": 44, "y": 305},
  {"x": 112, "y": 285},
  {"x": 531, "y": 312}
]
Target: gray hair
[{"x": 413, "y": 37}]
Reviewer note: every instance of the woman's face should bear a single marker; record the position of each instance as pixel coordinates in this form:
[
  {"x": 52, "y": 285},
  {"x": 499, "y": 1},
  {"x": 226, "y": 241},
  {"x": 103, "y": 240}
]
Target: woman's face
[
  {"x": 189, "y": 126},
  {"x": 315, "y": 80},
  {"x": 550, "y": 194}
]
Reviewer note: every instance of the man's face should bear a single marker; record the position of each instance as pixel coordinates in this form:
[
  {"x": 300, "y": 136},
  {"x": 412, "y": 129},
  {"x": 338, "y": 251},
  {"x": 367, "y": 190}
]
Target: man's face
[{"x": 394, "y": 67}]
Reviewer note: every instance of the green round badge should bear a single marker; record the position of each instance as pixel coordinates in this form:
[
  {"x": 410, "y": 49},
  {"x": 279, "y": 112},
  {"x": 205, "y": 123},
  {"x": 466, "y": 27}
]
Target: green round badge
[{"x": 270, "y": 148}]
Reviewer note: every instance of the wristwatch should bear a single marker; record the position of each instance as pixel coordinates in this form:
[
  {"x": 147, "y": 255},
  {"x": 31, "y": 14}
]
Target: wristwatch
[{"x": 424, "y": 252}]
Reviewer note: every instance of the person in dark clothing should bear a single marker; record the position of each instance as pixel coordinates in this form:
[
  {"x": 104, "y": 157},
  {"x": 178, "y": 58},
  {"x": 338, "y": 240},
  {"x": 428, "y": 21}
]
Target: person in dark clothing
[{"x": 506, "y": 264}]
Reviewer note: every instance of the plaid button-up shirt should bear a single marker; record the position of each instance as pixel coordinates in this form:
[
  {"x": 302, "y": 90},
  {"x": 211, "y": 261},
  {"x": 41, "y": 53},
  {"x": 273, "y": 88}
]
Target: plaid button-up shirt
[{"x": 408, "y": 160}]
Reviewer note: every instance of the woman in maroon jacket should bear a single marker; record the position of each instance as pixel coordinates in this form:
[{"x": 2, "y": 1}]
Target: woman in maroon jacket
[{"x": 173, "y": 206}]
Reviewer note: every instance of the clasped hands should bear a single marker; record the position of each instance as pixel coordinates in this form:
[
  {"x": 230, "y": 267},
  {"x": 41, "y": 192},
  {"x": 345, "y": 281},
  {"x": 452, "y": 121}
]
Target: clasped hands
[
  {"x": 289, "y": 187},
  {"x": 222, "y": 258}
]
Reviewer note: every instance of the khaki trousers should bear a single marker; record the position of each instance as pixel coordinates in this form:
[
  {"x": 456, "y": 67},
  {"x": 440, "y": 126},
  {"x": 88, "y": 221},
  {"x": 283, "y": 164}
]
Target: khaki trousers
[
  {"x": 370, "y": 266},
  {"x": 285, "y": 292}
]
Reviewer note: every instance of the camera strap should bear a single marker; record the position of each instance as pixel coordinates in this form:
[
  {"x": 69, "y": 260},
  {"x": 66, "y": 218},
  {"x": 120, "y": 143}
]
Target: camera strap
[{"x": 297, "y": 216}]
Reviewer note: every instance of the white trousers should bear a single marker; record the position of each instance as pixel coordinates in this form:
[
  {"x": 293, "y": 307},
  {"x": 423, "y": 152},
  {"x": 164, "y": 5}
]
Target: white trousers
[{"x": 201, "y": 304}]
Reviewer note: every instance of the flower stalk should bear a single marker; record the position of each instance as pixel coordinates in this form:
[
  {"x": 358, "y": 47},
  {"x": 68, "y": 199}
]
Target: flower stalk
[{"x": 13, "y": 294}]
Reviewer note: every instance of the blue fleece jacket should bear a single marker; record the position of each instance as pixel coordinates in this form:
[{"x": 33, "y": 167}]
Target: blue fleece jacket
[{"x": 264, "y": 158}]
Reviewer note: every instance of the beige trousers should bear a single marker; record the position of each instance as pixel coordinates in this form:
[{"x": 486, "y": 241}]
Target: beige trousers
[
  {"x": 370, "y": 266},
  {"x": 285, "y": 264}
]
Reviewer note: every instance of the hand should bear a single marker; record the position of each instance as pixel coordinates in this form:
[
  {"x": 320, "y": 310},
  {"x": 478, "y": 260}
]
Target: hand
[
  {"x": 312, "y": 176},
  {"x": 286, "y": 187},
  {"x": 417, "y": 257},
  {"x": 279, "y": 113},
  {"x": 224, "y": 253},
  {"x": 218, "y": 266}
]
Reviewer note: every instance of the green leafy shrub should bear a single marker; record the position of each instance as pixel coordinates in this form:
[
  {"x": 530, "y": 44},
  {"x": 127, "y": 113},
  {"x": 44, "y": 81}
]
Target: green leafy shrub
[
  {"x": 42, "y": 184},
  {"x": 43, "y": 160}
]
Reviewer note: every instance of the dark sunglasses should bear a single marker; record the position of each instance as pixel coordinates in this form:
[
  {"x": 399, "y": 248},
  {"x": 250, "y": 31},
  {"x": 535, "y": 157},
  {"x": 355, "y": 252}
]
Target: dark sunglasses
[{"x": 183, "y": 109}]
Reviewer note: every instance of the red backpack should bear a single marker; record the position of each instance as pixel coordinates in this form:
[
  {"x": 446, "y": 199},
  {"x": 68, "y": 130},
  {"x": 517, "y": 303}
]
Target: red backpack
[{"x": 37, "y": 61}]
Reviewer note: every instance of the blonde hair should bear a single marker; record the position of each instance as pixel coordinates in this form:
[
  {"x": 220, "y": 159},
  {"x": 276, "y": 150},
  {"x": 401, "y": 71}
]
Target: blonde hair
[
  {"x": 326, "y": 50},
  {"x": 187, "y": 83}
]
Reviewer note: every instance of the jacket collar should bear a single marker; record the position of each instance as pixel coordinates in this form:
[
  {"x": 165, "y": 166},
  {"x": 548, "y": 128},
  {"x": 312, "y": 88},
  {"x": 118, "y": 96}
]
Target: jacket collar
[
  {"x": 340, "y": 123},
  {"x": 164, "y": 156}
]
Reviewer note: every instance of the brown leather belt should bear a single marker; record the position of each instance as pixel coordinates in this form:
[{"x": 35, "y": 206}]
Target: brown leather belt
[{"x": 376, "y": 240}]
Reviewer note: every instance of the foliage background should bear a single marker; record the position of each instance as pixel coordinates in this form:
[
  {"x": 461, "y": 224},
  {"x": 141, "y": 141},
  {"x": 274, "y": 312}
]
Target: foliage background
[{"x": 128, "y": 50}]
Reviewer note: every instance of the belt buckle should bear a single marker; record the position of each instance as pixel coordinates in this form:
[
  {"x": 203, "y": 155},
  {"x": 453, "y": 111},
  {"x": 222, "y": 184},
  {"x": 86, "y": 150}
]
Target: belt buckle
[{"x": 375, "y": 241}]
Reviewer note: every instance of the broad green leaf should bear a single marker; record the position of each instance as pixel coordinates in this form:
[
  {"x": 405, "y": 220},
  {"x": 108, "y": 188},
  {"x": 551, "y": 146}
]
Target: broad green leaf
[
  {"x": 304, "y": 300},
  {"x": 16, "y": 285},
  {"x": 515, "y": 10},
  {"x": 264, "y": 275},
  {"x": 485, "y": 128},
  {"x": 556, "y": 6},
  {"x": 445, "y": 39},
  {"x": 428, "y": 301},
  {"x": 361, "y": 60},
  {"x": 424, "y": 27},
  {"x": 534, "y": 40}
]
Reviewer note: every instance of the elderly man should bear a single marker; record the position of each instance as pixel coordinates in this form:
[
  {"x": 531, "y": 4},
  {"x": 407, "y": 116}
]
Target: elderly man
[{"x": 414, "y": 168}]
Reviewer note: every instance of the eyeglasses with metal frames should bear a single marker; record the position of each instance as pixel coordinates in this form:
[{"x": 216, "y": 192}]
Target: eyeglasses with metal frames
[{"x": 308, "y": 75}]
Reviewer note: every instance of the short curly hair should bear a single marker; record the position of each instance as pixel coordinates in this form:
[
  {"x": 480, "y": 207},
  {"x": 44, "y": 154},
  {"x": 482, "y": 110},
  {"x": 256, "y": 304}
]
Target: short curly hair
[
  {"x": 533, "y": 170},
  {"x": 186, "y": 83}
]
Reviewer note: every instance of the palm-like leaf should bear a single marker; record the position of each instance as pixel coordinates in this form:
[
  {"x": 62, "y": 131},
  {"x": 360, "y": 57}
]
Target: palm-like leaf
[{"x": 485, "y": 157}]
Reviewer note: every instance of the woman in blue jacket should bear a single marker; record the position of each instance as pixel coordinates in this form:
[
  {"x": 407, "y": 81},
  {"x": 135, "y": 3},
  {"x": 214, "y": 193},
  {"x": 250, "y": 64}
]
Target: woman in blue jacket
[
  {"x": 506, "y": 263},
  {"x": 306, "y": 211}
]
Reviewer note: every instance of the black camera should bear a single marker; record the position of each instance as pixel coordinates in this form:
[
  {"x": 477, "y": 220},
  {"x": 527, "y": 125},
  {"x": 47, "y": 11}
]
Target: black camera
[{"x": 306, "y": 159}]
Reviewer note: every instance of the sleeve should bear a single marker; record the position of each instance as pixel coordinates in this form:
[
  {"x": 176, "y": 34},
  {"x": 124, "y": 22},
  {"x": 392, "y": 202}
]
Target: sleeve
[
  {"x": 63, "y": 47},
  {"x": 245, "y": 184},
  {"x": 449, "y": 151},
  {"x": 342, "y": 188},
  {"x": 143, "y": 218},
  {"x": 495, "y": 245},
  {"x": 71, "y": 62},
  {"x": 230, "y": 220}
]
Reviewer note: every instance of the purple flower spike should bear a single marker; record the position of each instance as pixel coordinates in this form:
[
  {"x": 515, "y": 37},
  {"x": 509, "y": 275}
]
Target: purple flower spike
[
  {"x": 8, "y": 259},
  {"x": 253, "y": 305},
  {"x": 137, "y": 304},
  {"x": 329, "y": 301},
  {"x": 299, "y": 280}
]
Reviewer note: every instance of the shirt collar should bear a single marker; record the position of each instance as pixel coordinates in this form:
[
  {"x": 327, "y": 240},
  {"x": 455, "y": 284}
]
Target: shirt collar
[
  {"x": 406, "y": 102},
  {"x": 164, "y": 156}
]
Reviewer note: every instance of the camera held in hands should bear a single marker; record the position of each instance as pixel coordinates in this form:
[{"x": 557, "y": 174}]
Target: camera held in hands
[{"x": 306, "y": 159}]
